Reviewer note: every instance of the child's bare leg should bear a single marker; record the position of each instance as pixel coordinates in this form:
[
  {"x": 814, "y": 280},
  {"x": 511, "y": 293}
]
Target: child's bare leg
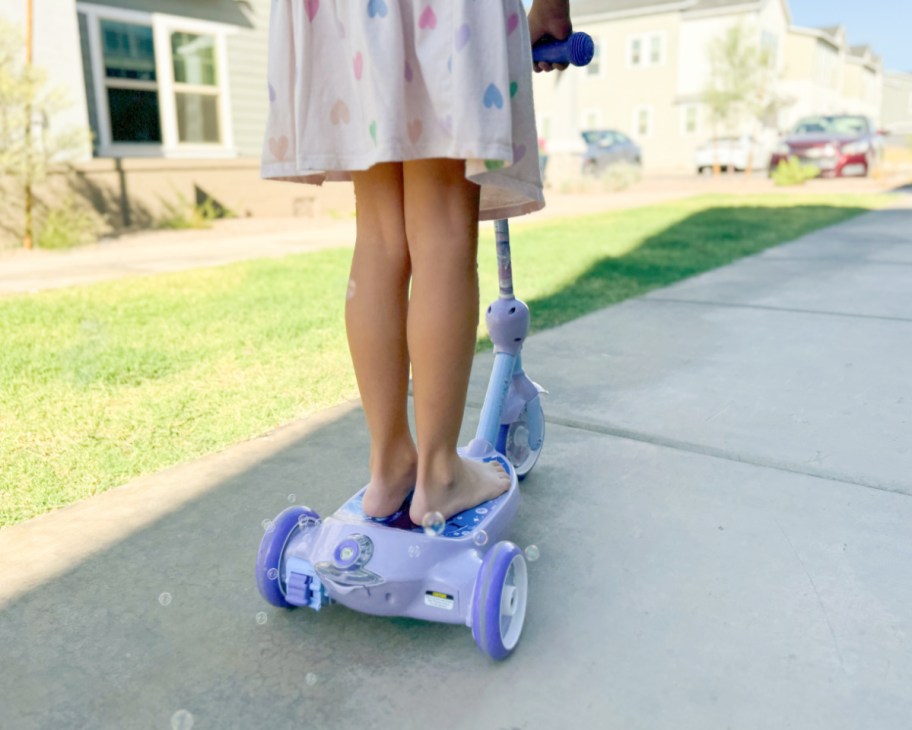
[
  {"x": 441, "y": 221},
  {"x": 375, "y": 319}
]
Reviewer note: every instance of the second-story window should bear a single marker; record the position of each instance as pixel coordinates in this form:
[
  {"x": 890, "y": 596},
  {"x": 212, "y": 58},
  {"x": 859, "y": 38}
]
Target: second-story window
[
  {"x": 636, "y": 52},
  {"x": 655, "y": 50},
  {"x": 647, "y": 49}
]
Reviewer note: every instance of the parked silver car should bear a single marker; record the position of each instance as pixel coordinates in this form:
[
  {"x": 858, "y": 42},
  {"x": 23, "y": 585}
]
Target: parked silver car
[{"x": 606, "y": 147}]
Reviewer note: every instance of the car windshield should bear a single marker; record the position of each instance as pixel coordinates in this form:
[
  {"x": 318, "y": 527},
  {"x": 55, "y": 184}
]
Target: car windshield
[
  {"x": 602, "y": 138},
  {"x": 832, "y": 125}
]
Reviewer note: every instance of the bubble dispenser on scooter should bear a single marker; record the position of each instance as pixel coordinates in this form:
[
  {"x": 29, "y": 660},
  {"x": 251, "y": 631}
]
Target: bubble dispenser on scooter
[{"x": 461, "y": 570}]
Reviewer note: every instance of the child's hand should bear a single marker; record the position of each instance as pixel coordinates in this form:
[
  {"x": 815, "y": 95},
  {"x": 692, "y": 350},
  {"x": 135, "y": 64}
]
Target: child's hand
[{"x": 549, "y": 18}]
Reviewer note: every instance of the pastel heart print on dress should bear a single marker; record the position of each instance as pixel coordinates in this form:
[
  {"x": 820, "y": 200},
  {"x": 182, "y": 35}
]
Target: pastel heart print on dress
[
  {"x": 514, "y": 87},
  {"x": 272, "y": 94},
  {"x": 376, "y": 7},
  {"x": 414, "y": 130},
  {"x": 428, "y": 20},
  {"x": 512, "y": 22},
  {"x": 408, "y": 71},
  {"x": 311, "y": 6},
  {"x": 463, "y": 33},
  {"x": 278, "y": 147},
  {"x": 494, "y": 164},
  {"x": 519, "y": 151},
  {"x": 339, "y": 113},
  {"x": 373, "y": 131},
  {"x": 447, "y": 124},
  {"x": 493, "y": 97},
  {"x": 359, "y": 65}
]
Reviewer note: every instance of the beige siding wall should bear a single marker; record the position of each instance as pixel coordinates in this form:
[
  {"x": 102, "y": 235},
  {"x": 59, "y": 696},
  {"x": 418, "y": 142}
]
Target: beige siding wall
[
  {"x": 249, "y": 98},
  {"x": 570, "y": 101},
  {"x": 896, "y": 108}
]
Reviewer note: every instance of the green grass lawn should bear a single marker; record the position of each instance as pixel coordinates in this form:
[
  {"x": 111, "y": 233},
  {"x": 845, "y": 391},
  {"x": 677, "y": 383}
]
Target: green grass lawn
[{"x": 102, "y": 383}]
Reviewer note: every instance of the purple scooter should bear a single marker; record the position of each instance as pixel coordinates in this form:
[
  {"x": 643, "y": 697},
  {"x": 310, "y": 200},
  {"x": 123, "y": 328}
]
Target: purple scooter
[{"x": 461, "y": 570}]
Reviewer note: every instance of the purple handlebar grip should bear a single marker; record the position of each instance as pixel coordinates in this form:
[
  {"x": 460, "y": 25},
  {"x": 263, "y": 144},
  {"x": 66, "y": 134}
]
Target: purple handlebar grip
[{"x": 578, "y": 50}]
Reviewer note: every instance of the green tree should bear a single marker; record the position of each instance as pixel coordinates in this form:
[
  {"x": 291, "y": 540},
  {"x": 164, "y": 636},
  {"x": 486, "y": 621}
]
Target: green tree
[
  {"x": 741, "y": 83},
  {"x": 27, "y": 147}
]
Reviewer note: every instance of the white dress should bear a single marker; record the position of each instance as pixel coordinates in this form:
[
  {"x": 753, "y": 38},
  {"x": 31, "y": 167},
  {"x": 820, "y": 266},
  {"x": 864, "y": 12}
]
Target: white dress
[{"x": 356, "y": 82}]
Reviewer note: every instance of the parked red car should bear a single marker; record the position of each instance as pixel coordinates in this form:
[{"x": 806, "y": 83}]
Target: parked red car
[{"x": 839, "y": 145}]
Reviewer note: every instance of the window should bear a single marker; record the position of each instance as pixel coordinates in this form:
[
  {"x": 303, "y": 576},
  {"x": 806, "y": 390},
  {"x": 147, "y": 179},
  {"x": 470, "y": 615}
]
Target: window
[
  {"x": 642, "y": 121},
  {"x": 689, "y": 116},
  {"x": 593, "y": 68},
  {"x": 636, "y": 52},
  {"x": 158, "y": 83},
  {"x": 646, "y": 50},
  {"x": 769, "y": 44},
  {"x": 130, "y": 82},
  {"x": 655, "y": 50},
  {"x": 196, "y": 93}
]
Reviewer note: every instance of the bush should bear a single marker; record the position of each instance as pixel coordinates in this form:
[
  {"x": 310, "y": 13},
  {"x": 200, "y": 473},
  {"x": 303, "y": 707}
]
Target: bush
[
  {"x": 69, "y": 224},
  {"x": 184, "y": 214},
  {"x": 794, "y": 172}
]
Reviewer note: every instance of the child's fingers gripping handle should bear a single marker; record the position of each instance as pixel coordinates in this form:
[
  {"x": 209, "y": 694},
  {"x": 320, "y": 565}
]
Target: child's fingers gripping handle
[{"x": 578, "y": 50}]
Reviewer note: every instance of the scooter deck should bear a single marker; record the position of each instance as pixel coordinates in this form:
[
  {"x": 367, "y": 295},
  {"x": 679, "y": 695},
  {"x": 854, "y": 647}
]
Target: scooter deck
[{"x": 458, "y": 525}]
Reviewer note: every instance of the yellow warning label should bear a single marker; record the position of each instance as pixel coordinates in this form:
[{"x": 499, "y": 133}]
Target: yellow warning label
[{"x": 437, "y": 599}]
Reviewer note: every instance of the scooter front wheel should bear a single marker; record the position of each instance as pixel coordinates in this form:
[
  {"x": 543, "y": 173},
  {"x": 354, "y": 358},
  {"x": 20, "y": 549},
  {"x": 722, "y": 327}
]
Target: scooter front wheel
[
  {"x": 521, "y": 441},
  {"x": 499, "y": 600},
  {"x": 272, "y": 549}
]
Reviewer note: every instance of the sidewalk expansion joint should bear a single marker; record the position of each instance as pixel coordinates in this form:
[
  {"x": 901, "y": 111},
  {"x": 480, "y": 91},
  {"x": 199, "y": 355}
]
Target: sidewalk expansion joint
[
  {"x": 717, "y": 453},
  {"x": 769, "y": 308}
]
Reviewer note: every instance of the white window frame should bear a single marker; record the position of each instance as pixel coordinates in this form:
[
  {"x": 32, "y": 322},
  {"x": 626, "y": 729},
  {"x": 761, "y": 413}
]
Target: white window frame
[
  {"x": 650, "y": 116},
  {"x": 162, "y": 26},
  {"x": 645, "y": 40},
  {"x": 696, "y": 129}
]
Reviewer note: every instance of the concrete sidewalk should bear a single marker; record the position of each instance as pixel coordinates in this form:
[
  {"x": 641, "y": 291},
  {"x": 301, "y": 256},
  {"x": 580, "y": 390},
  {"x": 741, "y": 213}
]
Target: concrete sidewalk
[{"x": 722, "y": 508}]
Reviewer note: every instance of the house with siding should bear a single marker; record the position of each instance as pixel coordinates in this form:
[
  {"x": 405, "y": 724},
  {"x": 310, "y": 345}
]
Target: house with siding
[
  {"x": 652, "y": 67},
  {"x": 650, "y": 70},
  {"x": 173, "y": 92}
]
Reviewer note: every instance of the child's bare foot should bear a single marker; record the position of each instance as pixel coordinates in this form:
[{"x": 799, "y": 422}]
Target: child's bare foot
[
  {"x": 392, "y": 478},
  {"x": 454, "y": 484}
]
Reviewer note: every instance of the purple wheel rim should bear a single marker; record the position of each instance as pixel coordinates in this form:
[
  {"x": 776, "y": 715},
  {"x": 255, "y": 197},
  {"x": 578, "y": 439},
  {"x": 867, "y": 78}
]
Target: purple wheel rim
[
  {"x": 490, "y": 625},
  {"x": 269, "y": 556}
]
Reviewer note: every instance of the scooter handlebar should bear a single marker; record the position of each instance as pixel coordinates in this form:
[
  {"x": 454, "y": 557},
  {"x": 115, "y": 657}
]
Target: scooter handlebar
[{"x": 577, "y": 50}]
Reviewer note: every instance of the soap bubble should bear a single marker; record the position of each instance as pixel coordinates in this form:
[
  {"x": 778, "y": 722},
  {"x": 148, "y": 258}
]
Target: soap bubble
[
  {"x": 261, "y": 618},
  {"x": 182, "y": 720},
  {"x": 165, "y": 599},
  {"x": 532, "y": 553},
  {"x": 291, "y": 498},
  {"x": 272, "y": 574},
  {"x": 310, "y": 679},
  {"x": 414, "y": 551},
  {"x": 268, "y": 525},
  {"x": 480, "y": 537},
  {"x": 433, "y": 523}
]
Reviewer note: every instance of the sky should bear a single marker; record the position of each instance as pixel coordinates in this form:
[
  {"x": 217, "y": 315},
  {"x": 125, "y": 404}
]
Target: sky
[{"x": 885, "y": 25}]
